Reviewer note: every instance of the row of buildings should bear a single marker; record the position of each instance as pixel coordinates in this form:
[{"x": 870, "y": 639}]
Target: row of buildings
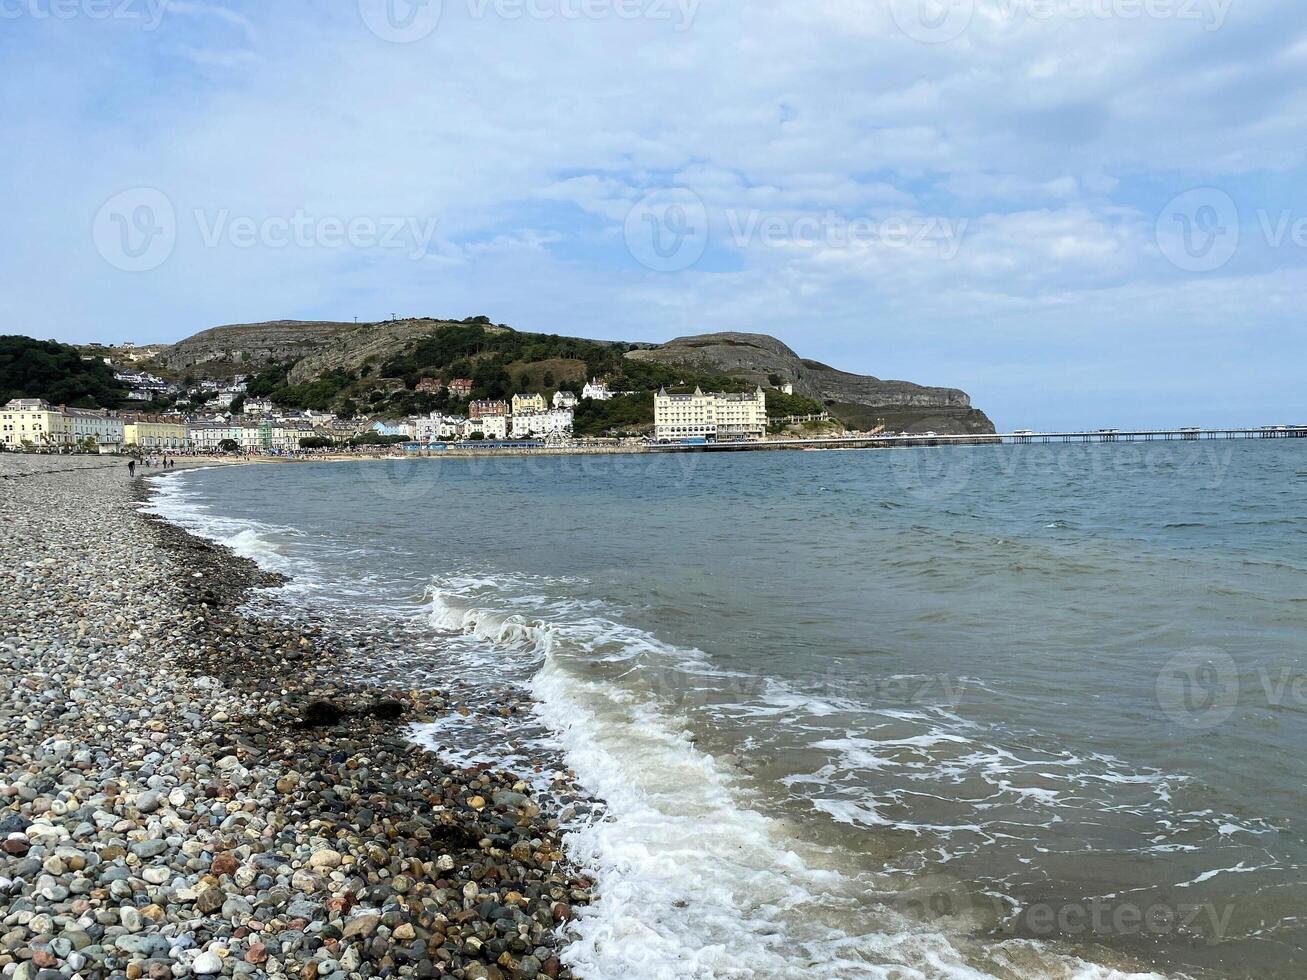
[
  {"x": 29, "y": 423},
  {"x": 33, "y": 423}
]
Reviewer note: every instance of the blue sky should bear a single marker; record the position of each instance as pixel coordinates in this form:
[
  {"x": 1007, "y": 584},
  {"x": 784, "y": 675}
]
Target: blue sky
[{"x": 1084, "y": 212}]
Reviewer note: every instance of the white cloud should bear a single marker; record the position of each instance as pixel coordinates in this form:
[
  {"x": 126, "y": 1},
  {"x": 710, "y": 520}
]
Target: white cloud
[{"x": 1055, "y": 142}]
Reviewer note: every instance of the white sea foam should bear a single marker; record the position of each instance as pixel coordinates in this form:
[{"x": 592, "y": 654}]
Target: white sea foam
[
  {"x": 176, "y": 502},
  {"x": 691, "y": 879}
]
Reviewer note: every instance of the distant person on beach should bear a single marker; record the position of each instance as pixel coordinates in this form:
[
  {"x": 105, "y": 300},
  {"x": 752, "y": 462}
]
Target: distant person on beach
[{"x": 131, "y": 467}]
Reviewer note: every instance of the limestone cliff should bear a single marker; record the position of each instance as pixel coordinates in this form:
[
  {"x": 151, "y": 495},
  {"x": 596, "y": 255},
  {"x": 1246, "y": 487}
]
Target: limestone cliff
[{"x": 858, "y": 399}]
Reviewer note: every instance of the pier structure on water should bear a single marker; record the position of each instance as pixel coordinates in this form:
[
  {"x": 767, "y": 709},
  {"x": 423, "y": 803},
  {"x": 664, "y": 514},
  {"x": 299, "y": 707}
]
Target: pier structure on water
[{"x": 1020, "y": 437}]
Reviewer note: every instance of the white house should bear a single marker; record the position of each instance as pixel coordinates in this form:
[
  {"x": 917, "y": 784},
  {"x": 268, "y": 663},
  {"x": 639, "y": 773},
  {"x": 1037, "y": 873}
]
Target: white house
[
  {"x": 490, "y": 427},
  {"x": 557, "y": 421},
  {"x": 405, "y": 428},
  {"x": 438, "y": 428},
  {"x": 597, "y": 391},
  {"x": 565, "y": 399},
  {"x": 713, "y": 416},
  {"x": 258, "y": 406}
]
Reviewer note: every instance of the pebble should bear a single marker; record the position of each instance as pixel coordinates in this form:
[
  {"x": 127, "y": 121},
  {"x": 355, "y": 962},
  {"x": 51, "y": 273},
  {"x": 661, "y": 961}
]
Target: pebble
[
  {"x": 210, "y": 792},
  {"x": 206, "y": 964}
]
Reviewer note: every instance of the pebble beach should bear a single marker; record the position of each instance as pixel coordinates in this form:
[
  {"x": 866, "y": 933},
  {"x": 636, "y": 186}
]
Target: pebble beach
[{"x": 187, "y": 789}]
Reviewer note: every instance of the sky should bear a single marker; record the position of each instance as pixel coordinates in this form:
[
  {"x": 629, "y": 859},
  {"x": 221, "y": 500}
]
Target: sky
[{"x": 1085, "y": 213}]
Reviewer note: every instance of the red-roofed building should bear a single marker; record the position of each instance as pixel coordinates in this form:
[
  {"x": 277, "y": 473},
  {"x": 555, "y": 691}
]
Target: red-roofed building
[{"x": 460, "y": 388}]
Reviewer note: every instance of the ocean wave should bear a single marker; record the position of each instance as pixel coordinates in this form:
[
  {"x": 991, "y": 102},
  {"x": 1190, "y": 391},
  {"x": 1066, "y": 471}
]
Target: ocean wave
[{"x": 691, "y": 879}]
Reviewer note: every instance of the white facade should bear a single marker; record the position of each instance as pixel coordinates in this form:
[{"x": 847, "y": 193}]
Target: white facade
[
  {"x": 206, "y": 437},
  {"x": 710, "y": 416},
  {"x": 490, "y": 427},
  {"x": 557, "y": 421},
  {"x": 258, "y": 406},
  {"x": 597, "y": 391},
  {"x": 438, "y": 428},
  {"x": 565, "y": 399},
  {"x": 104, "y": 427}
]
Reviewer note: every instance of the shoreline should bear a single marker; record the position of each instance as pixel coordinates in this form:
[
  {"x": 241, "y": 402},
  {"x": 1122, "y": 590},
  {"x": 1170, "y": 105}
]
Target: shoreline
[{"x": 234, "y": 805}]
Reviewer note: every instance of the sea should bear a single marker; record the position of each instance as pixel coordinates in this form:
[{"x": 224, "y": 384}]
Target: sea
[{"x": 960, "y": 712}]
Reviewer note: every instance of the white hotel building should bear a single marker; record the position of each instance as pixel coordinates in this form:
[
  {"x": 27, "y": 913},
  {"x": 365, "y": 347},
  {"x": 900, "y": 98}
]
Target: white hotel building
[
  {"x": 713, "y": 416},
  {"x": 556, "y": 421}
]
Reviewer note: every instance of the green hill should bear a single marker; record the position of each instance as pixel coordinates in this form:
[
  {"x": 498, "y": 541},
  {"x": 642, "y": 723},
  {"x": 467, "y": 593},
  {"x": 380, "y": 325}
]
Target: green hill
[{"x": 56, "y": 372}]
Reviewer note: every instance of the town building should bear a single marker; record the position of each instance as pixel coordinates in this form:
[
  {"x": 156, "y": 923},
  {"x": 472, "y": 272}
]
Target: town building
[
  {"x": 714, "y": 416},
  {"x": 460, "y": 388},
  {"x": 258, "y": 406},
  {"x": 430, "y": 386},
  {"x": 227, "y": 394},
  {"x": 565, "y": 399},
  {"x": 154, "y": 432},
  {"x": 104, "y": 428},
  {"x": 31, "y": 422},
  {"x": 283, "y": 437},
  {"x": 486, "y": 406},
  {"x": 393, "y": 427},
  {"x": 597, "y": 391},
  {"x": 144, "y": 387},
  {"x": 438, "y": 427},
  {"x": 786, "y": 389},
  {"x": 208, "y": 437},
  {"x": 522, "y": 404},
  {"x": 556, "y": 421},
  {"x": 487, "y": 426}
]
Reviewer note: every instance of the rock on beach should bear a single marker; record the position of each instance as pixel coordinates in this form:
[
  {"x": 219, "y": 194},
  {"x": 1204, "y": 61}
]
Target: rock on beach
[{"x": 190, "y": 790}]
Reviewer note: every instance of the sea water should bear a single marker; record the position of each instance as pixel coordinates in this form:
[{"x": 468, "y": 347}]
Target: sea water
[{"x": 1022, "y": 711}]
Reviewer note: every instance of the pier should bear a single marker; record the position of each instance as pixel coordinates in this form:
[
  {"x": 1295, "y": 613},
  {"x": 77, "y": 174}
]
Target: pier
[{"x": 1019, "y": 437}]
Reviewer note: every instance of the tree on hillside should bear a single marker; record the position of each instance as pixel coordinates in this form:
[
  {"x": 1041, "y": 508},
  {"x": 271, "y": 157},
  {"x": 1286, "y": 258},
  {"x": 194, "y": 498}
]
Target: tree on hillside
[{"x": 56, "y": 372}]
